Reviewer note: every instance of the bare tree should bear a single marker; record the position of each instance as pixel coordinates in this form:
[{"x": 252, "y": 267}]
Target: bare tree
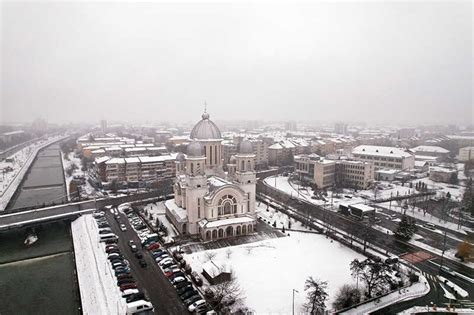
[
  {"x": 226, "y": 294},
  {"x": 210, "y": 255},
  {"x": 374, "y": 274},
  {"x": 316, "y": 296}
]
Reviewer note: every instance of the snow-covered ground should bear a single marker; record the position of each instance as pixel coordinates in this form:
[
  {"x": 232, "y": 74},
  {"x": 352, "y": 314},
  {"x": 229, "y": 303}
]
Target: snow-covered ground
[
  {"x": 97, "y": 283},
  {"x": 463, "y": 293},
  {"x": 158, "y": 210},
  {"x": 277, "y": 266},
  {"x": 22, "y": 161}
]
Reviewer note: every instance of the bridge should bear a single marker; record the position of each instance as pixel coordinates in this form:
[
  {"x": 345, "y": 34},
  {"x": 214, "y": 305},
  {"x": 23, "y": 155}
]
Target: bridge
[{"x": 16, "y": 219}]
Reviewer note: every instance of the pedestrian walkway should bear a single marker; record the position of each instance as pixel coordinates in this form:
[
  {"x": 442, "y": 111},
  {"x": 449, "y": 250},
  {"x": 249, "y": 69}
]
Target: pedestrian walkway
[{"x": 417, "y": 257}]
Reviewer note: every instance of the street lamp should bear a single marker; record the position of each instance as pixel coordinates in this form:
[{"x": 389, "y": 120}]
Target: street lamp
[{"x": 293, "y": 309}]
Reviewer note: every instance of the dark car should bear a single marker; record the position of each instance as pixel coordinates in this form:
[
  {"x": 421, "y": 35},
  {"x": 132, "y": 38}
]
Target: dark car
[
  {"x": 136, "y": 297},
  {"x": 182, "y": 284},
  {"x": 124, "y": 276},
  {"x": 111, "y": 241},
  {"x": 167, "y": 265},
  {"x": 184, "y": 289},
  {"x": 139, "y": 255},
  {"x": 125, "y": 281},
  {"x": 142, "y": 263},
  {"x": 128, "y": 286},
  {"x": 187, "y": 294},
  {"x": 112, "y": 250},
  {"x": 192, "y": 299}
]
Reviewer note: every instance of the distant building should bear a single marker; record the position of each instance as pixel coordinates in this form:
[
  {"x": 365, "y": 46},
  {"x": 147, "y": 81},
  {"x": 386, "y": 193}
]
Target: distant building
[
  {"x": 354, "y": 174},
  {"x": 385, "y": 157},
  {"x": 340, "y": 128},
  {"x": 430, "y": 150},
  {"x": 290, "y": 126},
  {"x": 103, "y": 125},
  {"x": 466, "y": 154},
  {"x": 406, "y": 133},
  {"x": 11, "y": 136}
]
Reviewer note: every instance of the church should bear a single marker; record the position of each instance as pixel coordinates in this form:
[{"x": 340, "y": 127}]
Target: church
[{"x": 208, "y": 202}]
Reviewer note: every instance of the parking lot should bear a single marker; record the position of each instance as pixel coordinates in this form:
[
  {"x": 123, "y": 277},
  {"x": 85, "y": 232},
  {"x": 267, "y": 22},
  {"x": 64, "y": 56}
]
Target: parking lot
[{"x": 150, "y": 279}]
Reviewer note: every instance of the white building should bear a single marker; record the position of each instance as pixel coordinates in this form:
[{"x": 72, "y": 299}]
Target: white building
[
  {"x": 385, "y": 157},
  {"x": 209, "y": 203},
  {"x": 430, "y": 150}
]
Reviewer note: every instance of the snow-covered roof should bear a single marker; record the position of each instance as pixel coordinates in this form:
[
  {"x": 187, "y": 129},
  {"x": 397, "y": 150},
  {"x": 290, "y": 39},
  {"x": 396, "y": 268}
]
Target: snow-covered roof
[
  {"x": 380, "y": 151},
  {"x": 362, "y": 207},
  {"x": 213, "y": 270},
  {"x": 442, "y": 169},
  {"x": 161, "y": 158},
  {"x": 429, "y": 148},
  {"x": 178, "y": 212},
  {"x": 116, "y": 161},
  {"x": 101, "y": 159},
  {"x": 224, "y": 222}
]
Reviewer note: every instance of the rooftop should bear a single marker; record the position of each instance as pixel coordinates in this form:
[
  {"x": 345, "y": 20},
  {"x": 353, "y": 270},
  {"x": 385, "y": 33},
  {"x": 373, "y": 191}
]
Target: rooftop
[{"x": 381, "y": 151}]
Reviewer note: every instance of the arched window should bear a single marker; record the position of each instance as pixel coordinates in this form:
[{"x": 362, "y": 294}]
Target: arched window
[{"x": 227, "y": 205}]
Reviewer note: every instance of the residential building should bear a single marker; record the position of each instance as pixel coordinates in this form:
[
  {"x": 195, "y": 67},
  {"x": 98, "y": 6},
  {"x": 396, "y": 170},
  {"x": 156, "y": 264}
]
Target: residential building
[
  {"x": 340, "y": 128},
  {"x": 145, "y": 169},
  {"x": 385, "y": 157},
  {"x": 466, "y": 154}
]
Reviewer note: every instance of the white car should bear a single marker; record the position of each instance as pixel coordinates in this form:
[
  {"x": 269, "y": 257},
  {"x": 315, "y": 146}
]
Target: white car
[
  {"x": 195, "y": 305},
  {"x": 178, "y": 280},
  {"x": 165, "y": 261},
  {"x": 123, "y": 228}
]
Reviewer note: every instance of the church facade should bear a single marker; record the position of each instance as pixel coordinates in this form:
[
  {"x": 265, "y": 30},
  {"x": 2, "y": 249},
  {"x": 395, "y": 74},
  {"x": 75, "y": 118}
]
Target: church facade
[{"x": 208, "y": 202}]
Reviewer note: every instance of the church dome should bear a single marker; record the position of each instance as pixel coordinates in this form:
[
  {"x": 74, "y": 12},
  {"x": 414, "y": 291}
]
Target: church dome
[
  {"x": 232, "y": 160},
  {"x": 205, "y": 129},
  {"x": 180, "y": 157},
  {"x": 194, "y": 149},
  {"x": 245, "y": 147}
]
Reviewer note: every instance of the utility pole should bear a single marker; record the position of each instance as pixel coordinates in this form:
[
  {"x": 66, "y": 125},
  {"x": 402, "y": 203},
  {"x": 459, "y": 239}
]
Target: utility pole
[{"x": 293, "y": 305}]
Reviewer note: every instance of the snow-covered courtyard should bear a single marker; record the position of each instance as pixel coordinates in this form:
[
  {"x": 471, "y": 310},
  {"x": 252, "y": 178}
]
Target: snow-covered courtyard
[{"x": 277, "y": 266}]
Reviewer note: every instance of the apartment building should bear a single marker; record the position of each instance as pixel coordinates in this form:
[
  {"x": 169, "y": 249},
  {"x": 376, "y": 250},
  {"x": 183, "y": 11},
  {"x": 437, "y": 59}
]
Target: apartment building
[
  {"x": 146, "y": 169},
  {"x": 384, "y": 157},
  {"x": 259, "y": 146},
  {"x": 466, "y": 154}
]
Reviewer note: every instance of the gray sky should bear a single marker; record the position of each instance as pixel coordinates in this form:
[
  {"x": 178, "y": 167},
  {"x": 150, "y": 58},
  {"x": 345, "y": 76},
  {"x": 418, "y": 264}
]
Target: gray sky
[{"x": 369, "y": 61}]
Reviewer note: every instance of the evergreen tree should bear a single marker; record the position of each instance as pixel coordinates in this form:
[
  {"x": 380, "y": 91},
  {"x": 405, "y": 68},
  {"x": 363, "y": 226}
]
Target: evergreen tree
[{"x": 406, "y": 228}]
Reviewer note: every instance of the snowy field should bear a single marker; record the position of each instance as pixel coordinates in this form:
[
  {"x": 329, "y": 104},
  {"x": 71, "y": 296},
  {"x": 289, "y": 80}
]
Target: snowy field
[{"x": 277, "y": 266}]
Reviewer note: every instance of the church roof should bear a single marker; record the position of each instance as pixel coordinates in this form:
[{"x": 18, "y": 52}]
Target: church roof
[{"x": 205, "y": 129}]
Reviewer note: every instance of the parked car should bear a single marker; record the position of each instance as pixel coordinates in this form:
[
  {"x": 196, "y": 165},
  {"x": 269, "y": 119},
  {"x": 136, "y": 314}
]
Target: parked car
[
  {"x": 127, "y": 286},
  {"x": 123, "y": 228},
  {"x": 168, "y": 264},
  {"x": 182, "y": 284},
  {"x": 124, "y": 276},
  {"x": 153, "y": 246},
  {"x": 135, "y": 297},
  {"x": 187, "y": 294},
  {"x": 129, "y": 292},
  {"x": 142, "y": 263},
  {"x": 124, "y": 281},
  {"x": 192, "y": 299},
  {"x": 139, "y": 306},
  {"x": 195, "y": 305},
  {"x": 162, "y": 257}
]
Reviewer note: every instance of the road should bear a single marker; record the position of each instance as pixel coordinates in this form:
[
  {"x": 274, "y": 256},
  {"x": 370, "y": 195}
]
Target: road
[{"x": 151, "y": 279}]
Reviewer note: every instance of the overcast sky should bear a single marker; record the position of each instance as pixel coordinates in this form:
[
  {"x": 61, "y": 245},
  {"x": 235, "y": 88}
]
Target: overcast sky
[{"x": 375, "y": 61}]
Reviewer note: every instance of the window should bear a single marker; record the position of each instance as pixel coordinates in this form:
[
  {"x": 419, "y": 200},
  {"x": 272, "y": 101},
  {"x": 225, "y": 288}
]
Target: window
[{"x": 227, "y": 205}]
